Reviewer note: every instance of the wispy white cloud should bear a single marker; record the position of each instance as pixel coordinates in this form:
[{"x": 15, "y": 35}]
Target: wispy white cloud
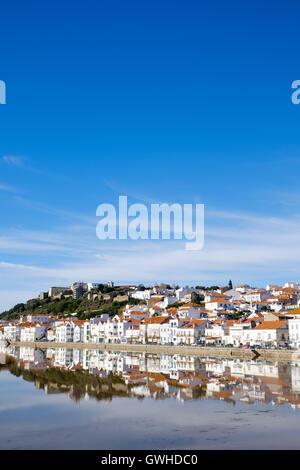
[
  {"x": 48, "y": 209},
  {"x": 13, "y": 160},
  {"x": 256, "y": 248},
  {"x": 67, "y": 242},
  {"x": 24, "y": 164},
  {"x": 7, "y": 188},
  {"x": 20, "y": 162}
]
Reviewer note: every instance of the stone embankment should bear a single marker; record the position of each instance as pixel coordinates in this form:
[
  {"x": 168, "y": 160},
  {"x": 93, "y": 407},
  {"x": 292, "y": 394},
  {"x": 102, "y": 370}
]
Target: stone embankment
[{"x": 243, "y": 353}]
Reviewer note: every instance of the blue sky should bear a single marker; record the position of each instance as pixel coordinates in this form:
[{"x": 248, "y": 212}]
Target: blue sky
[{"x": 161, "y": 101}]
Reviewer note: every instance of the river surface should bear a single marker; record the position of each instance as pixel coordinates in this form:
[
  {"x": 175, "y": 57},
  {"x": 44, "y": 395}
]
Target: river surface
[{"x": 80, "y": 399}]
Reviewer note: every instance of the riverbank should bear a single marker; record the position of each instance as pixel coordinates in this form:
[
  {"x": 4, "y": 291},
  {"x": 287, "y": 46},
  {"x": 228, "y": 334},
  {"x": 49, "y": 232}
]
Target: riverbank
[{"x": 281, "y": 355}]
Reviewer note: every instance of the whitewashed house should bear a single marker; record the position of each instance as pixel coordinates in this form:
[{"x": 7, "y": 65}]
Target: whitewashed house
[
  {"x": 132, "y": 334},
  {"x": 181, "y": 292},
  {"x": 293, "y": 285},
  {"x": 191, "y": 332},
  {"x": 12, "y": 331},
  {"x": 34, "y": 331},
  {"x": 116, "y": 329},
  {"x": 38, "y": 318},
  {"x": 78, "y": 331},
  {"x": 169, "y": 330},
  {"x": 142, "y": 294},
  {"x": 218, "y": 303},
  {"x": 294, "y": 332},
  {"x": 150, "y": 329},
  {"x": 257, "y": 295},
  {"x": 217, "y": 331},
  {"x": 239, "y": 333},
  {"x": 136, "y": 314},
  {"x": 189, "y": 311},
  {"x": 64, "y": 332},
  {"x": 51, "y": 334},
  {"x": 273, "y": 333}
]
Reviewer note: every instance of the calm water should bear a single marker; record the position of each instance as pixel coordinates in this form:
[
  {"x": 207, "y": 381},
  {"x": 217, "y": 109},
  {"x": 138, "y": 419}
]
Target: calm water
[{"x": 80, "y": 399}]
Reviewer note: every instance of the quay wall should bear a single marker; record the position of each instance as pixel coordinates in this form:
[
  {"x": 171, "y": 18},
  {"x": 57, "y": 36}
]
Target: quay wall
[{"x": 275, "y": 355}]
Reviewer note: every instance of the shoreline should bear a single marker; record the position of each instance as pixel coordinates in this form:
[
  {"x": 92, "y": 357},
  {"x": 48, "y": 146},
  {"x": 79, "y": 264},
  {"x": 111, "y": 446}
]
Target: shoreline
[{"x": 282, "y": 355}]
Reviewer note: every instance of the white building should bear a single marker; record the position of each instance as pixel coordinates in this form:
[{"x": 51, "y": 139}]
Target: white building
[
  {"x": 150, "y": 329},
  {"x": 219, "y": 304},
  {"x": 294, "y": 332},
  {"x": 38, "y": 318},
  {"x": 293, "y": 285},
  {"x": 239, "y": 333},
  {"x": 12, "y": 331},
  {"x": 180, "y": 293},
  {"x": 216, "y": 332},
  {"x": 78, "y": 331},
  {"x": 64, "y": 331},
  {"x": 132, "y": 334},
  {"x": 189, "y": 311},
  {"x": 258, "y": 295},
  {"x": 274, "y": 333},
  {"x": 191, "y": 332},
  {"x": 51, "y": 334},
  {"x": 242, "y": 288},
  {"x": 142, "y": 294},
  {"x": 33, "y": 331}
]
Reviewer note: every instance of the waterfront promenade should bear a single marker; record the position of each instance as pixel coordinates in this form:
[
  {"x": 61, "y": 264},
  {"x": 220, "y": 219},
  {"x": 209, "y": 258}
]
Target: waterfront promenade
[{"x": 243, "y": 353}]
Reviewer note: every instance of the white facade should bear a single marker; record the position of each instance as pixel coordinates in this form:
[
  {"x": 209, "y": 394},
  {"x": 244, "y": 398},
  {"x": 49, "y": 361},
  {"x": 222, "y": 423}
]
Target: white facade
[
  {"x": 33, "y": 332},
  {"x": 12, "y": 332},
  {"x": 216, "y": 332},
  {"x": 272, "y": 333},
  {"x": 38, "y": 318},
  {"x": 292, "y": 285},
  {"x": 182, "y": 331},
  {"x": 142, "y": 294},
  {"x": 64, "y": 332},
  {"x": 180, "y": 293},
  {"x": 220, "y": 304},
  {"x": 294, "y": 332},
  {"x": 257, "y": 296},
  {"x": 189, "y": 312}
]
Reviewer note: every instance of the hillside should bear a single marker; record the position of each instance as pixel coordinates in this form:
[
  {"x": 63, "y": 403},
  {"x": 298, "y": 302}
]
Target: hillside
[{"x": 66, "y": 306}]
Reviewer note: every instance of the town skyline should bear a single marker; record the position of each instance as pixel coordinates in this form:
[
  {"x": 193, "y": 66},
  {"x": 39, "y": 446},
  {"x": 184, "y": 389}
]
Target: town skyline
[{"x": 228, "y": 316}]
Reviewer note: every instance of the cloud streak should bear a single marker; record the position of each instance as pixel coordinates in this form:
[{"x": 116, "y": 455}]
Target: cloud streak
[
  {"x": 20, "y": 162},
  {"x": 254, "y": 249},
  {"x": 7, "y": 188}
]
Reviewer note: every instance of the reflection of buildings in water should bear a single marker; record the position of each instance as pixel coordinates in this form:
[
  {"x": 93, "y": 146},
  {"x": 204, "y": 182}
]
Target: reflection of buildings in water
[
  {"x": 295, "y": 376},
  {"x": 13, "y": 351},
  {"x": 77, "y": 356},
  {"x": 178, "y": 376},
  {"x": 259, "y": 381},
  {"x": 32, "y": 354},
  {"x": 63, "y": 357}
]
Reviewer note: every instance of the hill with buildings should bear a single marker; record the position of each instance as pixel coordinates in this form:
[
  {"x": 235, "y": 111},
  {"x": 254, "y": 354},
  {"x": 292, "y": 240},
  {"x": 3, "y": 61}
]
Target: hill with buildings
[{"x": 67, "y": 302}]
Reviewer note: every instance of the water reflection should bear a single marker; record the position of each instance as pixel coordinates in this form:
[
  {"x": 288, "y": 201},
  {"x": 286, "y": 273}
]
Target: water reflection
[{"x": 103, "y": 375}]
